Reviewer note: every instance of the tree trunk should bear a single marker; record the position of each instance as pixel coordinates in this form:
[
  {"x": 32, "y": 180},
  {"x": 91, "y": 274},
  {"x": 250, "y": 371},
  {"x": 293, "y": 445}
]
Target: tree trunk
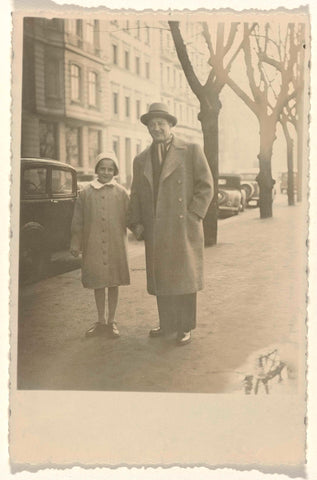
[
  {"x": 290, "y": 163},
  {"x": 208, "y": 117},
  {"x": 264, "y": 178},
  {"x": 290, "y": 173},
  {"x": 300, "y": 145}
]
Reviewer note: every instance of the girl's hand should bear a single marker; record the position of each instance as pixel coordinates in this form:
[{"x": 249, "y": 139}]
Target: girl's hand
[{"x": 74, "y": 252}]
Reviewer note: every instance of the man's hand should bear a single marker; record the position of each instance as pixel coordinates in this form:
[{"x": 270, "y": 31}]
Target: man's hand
[
  {"x": 138, "y": 232},
  {"x": 74, "y": 252}
]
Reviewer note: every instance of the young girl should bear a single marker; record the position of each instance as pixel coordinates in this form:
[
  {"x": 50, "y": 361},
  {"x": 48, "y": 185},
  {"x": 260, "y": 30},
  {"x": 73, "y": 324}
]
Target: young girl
[{"x": 99, "y": 231}]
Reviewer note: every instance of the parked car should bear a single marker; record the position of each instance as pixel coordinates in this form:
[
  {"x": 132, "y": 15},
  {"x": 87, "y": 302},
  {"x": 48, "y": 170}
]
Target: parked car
[
  {"x": 284, "y": 182},
  {"x": 230, "y": 197},
  {"x": 251, "y": 188},
  {"x": 48, "y": 192},
  {"x": 84, "y": 179}
]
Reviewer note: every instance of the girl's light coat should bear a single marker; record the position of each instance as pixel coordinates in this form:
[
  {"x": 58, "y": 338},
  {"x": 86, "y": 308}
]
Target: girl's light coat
[{"x": 99, "y": 231}]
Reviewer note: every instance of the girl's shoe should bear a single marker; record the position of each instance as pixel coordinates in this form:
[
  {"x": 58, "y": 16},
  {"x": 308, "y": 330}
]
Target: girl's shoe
[
  {"x": 98, "y": 329},
  {"x": 113, "y": 329}
]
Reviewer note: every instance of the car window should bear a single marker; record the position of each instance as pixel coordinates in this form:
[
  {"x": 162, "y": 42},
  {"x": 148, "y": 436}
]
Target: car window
[
  {"x": 34, "y": 181},
  {"x": 62, "y": 181}
]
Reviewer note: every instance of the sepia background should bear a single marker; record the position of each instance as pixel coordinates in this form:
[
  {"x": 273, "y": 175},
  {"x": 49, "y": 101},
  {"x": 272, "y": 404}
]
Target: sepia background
[{"x": 91, "y": 78}]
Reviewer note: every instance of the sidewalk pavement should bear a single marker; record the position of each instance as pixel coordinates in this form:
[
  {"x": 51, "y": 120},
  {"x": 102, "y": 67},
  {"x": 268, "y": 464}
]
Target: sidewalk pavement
[{"x": 253, "y": 304}]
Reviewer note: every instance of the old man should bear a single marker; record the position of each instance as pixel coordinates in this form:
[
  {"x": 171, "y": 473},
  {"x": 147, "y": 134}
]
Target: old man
[{"x": 171, "y": 190}]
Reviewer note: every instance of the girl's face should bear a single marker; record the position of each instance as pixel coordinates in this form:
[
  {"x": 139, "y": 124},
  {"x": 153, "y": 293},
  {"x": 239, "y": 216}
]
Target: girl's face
[{"x": 105, "y": 171}]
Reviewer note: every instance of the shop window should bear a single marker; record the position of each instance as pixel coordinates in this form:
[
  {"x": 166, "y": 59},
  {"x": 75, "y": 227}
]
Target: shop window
[
  {"x": 73, "y": 156},
  {"x": 48, "y": 140}
]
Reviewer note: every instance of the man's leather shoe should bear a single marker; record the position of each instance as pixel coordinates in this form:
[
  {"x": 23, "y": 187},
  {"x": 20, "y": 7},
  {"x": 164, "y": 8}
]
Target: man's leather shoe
[
  {"x": 184, "y": 338},
  {"x": 156, "y": 332}
]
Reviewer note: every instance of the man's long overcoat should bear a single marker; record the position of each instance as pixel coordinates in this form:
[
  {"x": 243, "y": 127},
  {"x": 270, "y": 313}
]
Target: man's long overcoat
[{"x": 173, "y": 234}]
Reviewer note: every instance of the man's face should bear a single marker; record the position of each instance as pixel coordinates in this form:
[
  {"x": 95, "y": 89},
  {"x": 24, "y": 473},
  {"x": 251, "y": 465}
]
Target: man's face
[{"x": 160, "y": 129}]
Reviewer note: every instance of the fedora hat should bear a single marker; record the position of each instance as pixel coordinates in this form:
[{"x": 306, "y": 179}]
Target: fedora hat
[{"x": 158, "y": 110}]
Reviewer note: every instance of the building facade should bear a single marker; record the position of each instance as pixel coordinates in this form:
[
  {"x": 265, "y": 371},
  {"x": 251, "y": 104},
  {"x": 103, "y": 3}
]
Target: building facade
[{"x": 86, "y": 82}]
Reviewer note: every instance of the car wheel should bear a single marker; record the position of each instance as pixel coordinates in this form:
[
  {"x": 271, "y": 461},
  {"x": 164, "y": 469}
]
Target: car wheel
[{"x": 33, "y": 257}]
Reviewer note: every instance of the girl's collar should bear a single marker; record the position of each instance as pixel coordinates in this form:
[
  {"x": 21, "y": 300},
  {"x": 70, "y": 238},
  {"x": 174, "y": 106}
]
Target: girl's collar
[{"x": 97, "y": 185}]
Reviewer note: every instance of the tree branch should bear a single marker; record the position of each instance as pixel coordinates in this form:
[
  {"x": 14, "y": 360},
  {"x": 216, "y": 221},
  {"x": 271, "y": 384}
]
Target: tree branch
[
  {"x": 271, "y": 61},
  {"x": 208, "y": 41},
  {"x": 183, "y": 57},
  {"x": 220, "y": 40},
  {"x": 241, "y": 94},
  {"x": 231, "y": 37},
  {"x": 248, "y": 62}
]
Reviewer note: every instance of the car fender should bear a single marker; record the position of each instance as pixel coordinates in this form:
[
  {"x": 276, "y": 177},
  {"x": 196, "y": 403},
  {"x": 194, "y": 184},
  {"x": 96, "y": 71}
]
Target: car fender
[
  {"x": 249, "y": 189},
  {"x": 32, "y": 226}
]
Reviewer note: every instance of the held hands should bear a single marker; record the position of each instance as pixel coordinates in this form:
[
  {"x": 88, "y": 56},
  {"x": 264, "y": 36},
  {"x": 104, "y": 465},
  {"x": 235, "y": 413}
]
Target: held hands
[
  {"x": 138, "y": 232},
  {"x": 74, "y": 252}
]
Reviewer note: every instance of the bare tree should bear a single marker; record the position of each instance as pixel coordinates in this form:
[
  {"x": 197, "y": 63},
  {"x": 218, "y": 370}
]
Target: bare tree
[
  {"x": 292, "y": 113},
  {"x": 265, "y": 101},
  {"x": 210, "y": 105},
  {"x": 286, "y": 118}
]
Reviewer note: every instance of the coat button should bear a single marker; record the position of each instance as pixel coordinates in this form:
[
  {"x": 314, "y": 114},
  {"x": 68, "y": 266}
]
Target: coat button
[
  {"x": 181, "y": 216},
  {"x": 180, "y": 199},
  {"x": 179, "y": 182}
]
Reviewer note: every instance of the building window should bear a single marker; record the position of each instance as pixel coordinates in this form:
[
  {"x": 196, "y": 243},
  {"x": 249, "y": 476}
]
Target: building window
[
  {"x": 75, "y": 32},
  {"x": 54, "y": 24},
  {"x": 92, "y": 89},
  {"x": 138, "y": 30},
  {"x": 147, "y": 69},
  {"x": 75, "y": 83},
  {"x": 73, "y": 156},
  {"x": 127, "y": 60},
  {"x": 127, "y": 107},
  {"x": 127, "y": 26},
  {"x": 115, "y": 103},
  {"x": 94, "y": 145},
  {"x": 52, "y": 78},
  {"x": 138, "y": 147},
  {"x": 116, "y": 146},
  {"x": 138, "y": 109},
  {"x": 128, "y": 166},
  {"x": 115, "y": 54},
  {"x": 137, "y": 65},
  {"x": 147, "y": 35},
  {"x": 48, "y": 140},
  {"x": 90, "y": 32},
  {"x": 92, "y": 35}
]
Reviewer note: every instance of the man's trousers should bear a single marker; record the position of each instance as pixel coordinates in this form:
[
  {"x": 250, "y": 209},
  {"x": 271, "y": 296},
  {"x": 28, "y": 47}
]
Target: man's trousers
[{"x": 177, "y": 312}]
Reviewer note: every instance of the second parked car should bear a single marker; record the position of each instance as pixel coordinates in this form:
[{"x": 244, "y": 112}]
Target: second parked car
[
  {"x": 230, "y": 199},
  {"x": 251, "y": 188}
]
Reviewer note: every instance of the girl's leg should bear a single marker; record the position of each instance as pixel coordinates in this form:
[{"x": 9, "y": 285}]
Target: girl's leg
[
  {"x": 100, "y": 298},
  {"x": 113, "y": 294}
]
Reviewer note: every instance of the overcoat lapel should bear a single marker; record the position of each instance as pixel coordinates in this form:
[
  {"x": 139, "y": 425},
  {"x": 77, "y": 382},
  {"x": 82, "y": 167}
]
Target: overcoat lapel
[
  {"x": 173, "y": 158},
  {"x": 148, "y": 169}
]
